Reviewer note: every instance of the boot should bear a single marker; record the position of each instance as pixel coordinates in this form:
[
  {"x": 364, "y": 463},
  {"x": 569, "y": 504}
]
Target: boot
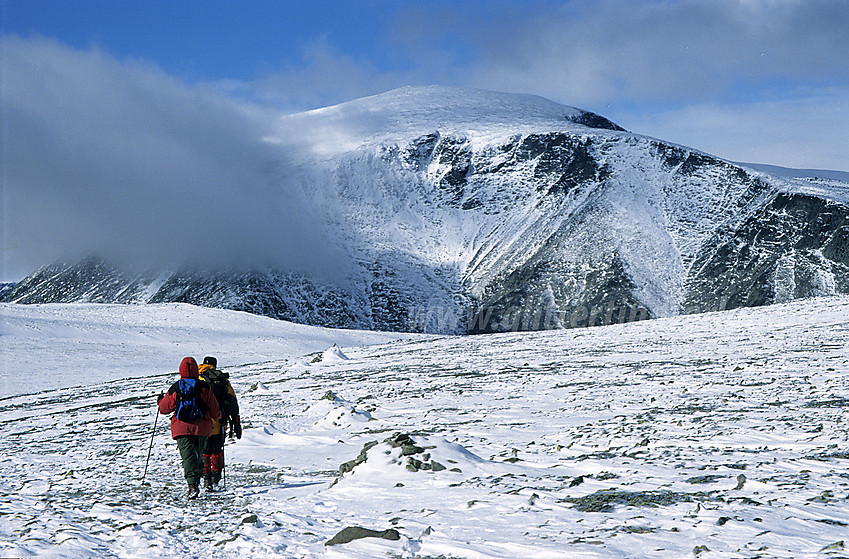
[
  {"x": 207, "y": 482},
  {"x": 193, "y": 492},
  {"x": 216, "y": 465}
]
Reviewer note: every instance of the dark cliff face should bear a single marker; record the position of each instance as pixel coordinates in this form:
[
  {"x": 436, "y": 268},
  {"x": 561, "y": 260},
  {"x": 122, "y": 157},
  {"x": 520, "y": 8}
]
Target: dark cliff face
[
  {"x": 557, "y": 163},
  {"x": 90, "y": 280},
  {"x": 563, "y": 162},
  {"x": 540, "y": 297},
  {"x": 271, "y": 293},
  {"x": 796, "y": 246},
  {"x": 597, "y": 121},
  {"x": 6, "y": 289}
]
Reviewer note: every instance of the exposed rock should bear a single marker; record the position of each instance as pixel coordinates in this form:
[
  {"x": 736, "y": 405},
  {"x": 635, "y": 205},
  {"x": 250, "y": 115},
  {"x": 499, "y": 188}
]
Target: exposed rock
[
  {"x": 603, "y": 501},
  {"x": 352, "y": 533},
  {"x": 5, "y": 290},
  {"x": 417, "y": 458},
  {"x": 406, "y": 443},
  {"x": 794, "y": 246},
  {"x": 225, "y": 541},
  {"x": 249, "y": 519},
  {"x": 361, "y": 457},
  {"x": 709, "y": 478},
  {"x": 602, "y": 476}
]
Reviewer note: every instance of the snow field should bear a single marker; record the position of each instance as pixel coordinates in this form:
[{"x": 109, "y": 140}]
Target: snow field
[
  {"x": 58, "y": 345},
  {"x": 715, "y": 435}
]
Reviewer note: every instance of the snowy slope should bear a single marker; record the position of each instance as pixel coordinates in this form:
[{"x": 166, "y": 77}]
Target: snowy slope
[
  {"x": 718, "y": 435},
  {"x": 410, "y": 112},
  {"x": 76, "y": 344}
]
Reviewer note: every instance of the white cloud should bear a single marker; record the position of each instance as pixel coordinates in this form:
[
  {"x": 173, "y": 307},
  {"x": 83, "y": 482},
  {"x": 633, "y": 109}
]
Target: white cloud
[
  {"x": 610, "y": 51},
  {"x": 721, "y": 75},
  {"x": 803, "y": 130},
  {"x": 119, "y": 158},
  {"x": 324, "y": 77},
  {"x": 724, "y": 76}
]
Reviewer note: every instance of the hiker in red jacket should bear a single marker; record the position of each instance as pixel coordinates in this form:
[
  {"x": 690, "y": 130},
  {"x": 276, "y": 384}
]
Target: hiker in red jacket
[{"x": 194, "y": 407}]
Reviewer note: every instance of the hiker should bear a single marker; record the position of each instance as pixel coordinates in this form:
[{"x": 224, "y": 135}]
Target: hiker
[
  {"x": 195, "y": 408},
  {"x": 213, "y": 453}
]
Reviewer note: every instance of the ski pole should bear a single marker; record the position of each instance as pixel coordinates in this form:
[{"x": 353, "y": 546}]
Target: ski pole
[{"x": 155, "y": 418}]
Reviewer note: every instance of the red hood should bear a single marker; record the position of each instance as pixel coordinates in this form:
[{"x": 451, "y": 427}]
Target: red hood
[{"x": 189, "y": 368}]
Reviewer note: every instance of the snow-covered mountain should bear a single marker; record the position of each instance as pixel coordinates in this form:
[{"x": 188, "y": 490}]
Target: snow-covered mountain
[{"x": 473, "y": 211}]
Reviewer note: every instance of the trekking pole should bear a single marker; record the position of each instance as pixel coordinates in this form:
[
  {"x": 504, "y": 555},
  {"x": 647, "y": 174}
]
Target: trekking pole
[
  {"x": 155, "y": 418},
  {"x": 223, "y": 470}
]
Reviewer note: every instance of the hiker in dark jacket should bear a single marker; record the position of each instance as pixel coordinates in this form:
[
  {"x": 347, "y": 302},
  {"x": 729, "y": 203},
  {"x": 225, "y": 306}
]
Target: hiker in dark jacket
[
  {"x": 213, "y": 454},
  {"x": 191, "y": 434}
]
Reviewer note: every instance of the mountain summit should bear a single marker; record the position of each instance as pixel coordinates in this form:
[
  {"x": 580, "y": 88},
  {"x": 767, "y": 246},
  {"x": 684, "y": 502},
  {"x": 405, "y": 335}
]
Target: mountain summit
[
  {"x": 472, "y": 211},
  {"x": 415, "y": 111}
]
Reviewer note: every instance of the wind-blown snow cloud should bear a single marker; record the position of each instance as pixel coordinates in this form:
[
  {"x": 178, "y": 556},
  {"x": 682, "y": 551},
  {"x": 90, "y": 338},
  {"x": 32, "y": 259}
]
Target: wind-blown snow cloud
[{"x": 116, "y": 157}]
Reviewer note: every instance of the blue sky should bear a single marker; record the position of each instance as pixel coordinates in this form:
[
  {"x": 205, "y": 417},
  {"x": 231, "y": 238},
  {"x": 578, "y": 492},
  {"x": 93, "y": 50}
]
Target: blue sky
[
  {"x": 212, "y": 39},
  {"x": 750, "y": 80},
  {"x": 151, "y": 95}
]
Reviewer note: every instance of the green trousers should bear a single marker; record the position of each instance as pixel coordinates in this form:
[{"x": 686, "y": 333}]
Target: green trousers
[{"x": 191, "y": 453}]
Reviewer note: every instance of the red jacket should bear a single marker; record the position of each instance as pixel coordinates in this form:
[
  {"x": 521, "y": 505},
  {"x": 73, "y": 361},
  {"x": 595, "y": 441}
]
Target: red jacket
[{"x": 201, "y": 427}]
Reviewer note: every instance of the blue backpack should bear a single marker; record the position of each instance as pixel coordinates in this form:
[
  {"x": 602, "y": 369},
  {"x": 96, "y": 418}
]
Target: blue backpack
[{"x": 189, "y": 404}]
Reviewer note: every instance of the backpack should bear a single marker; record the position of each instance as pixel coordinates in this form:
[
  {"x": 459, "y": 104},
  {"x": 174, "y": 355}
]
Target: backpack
[
  {"x": 219, "y": 383},
  {"x": 189, "y": 404}
]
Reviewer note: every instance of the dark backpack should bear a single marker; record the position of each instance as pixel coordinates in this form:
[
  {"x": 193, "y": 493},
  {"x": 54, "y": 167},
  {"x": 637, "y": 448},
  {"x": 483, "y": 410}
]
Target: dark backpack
[
  {"x": 219, "y": 382},
  {"x": 189, "y": 404}
]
